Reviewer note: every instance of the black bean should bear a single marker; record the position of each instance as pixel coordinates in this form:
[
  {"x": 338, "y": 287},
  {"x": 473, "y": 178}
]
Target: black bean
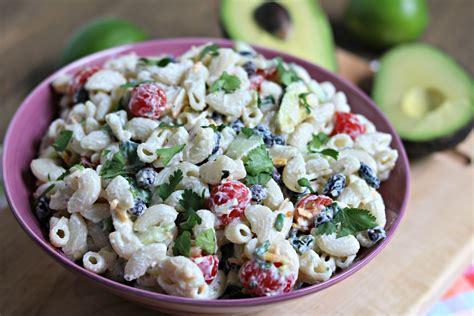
[
  {"x": 146, "y": 177},
  {"x": 376, "y": 234},
  {"x": 302, "y": 243},
  {"x": 335, "y": 185},
  {"x": 259, "y": 193},
  {"x": 368, "y": 174}
]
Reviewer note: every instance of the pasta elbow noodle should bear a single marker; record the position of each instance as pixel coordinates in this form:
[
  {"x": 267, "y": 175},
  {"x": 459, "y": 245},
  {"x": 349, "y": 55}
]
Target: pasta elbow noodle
[
  {"x": 338, "y": 247},
  {"x": 88, "y": 190},
  {"x": 238, "y": 233},
  {"x": 145, "y": 258},
  {"x": 46, "y": 169},
  {"x": 59, "y": 231}
]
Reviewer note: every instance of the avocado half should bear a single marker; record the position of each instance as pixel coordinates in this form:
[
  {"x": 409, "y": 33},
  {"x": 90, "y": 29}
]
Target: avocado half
[
  {"x": 298, "y": 27},
  {"x": 426, "y": 95}
]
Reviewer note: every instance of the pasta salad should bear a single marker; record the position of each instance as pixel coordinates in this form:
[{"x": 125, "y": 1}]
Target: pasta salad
[{"x": 215, "y": 174}]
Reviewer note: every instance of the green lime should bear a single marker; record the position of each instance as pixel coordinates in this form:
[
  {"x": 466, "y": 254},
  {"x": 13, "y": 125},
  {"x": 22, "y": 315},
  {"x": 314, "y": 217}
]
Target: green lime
[
  {"x": 100, "y": 34},
  {"x": 385, "y": 23}
]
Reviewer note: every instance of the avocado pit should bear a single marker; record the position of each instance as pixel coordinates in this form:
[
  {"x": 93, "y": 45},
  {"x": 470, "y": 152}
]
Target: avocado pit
[{"x": 273, "y": 18}]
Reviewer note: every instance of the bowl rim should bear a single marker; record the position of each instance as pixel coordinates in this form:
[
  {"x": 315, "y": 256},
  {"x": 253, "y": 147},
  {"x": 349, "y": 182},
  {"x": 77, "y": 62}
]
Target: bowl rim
[{"x": 127, "y": 290}]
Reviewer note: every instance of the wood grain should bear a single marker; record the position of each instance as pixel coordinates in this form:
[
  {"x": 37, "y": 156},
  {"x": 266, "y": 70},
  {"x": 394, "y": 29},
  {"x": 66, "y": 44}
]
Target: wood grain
[{"x": 433, "y": 244}]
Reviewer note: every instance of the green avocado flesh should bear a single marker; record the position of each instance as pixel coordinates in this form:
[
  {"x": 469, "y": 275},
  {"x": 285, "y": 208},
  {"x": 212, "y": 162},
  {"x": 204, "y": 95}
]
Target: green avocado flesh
[
  {"x": 310, "y": 38},
  {"x": 424, "y": 93}
]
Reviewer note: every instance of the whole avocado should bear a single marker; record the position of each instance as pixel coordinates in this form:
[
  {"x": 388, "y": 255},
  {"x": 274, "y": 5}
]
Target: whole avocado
[
  {"x": 384, "y": 23},
  {"x": 100, "y": 34}
]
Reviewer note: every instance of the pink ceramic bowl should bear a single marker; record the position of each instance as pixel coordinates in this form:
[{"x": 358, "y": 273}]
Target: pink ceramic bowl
[{"x": 38, "y": 110}]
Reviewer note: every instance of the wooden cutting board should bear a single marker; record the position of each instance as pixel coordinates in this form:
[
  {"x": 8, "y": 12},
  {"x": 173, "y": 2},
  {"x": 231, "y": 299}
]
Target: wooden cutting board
[{"x": 433, "y": 245}]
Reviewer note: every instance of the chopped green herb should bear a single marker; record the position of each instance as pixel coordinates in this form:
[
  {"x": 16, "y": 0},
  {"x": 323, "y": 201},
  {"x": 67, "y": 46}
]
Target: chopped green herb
[
  {"x": 166, "y": 154},
  {"x": 206, "y": 240},
  {"x": 302, "y": 98},
  {"x": 317, "y": 141},
  {"x": 137, "y": 192},
  {"x": 134, "y": 83},
  {"x": 165, "y": 125},
  {"x": 304, "y": 183},
  {"x": 113, "y": 167},
  {"x": 48, "y": 189},
  {"x": 165, "y": 190},
  {"x": 129, "y": 151},
  {"x": 182, "y": 244},
  {"x": 286, "y": 76},
  {"x": 215, "y": 128},
  {"x": 260, "y": 251},
  {"x": 212, "y": 49},
  {"x": 191, "y": 201},
  {"x": 191, "y": 219},
  {"x": 62, "y": 140},
  {"x": 163, "y": 62},
  {"x": 330, "y": 152},
  {"x": 279, "y": 221},
  {"x": 247, "y": 132},
  {"x": 261, "y": 178},
  {"x": 227, "y": 83},
  {"x": 325, "y": 229},
  {"x": 63, "y": 175},
  {"x": 348, "y": 221},
  {"x": 258, "y": 161},
  {"x": 266, "y": 101}
]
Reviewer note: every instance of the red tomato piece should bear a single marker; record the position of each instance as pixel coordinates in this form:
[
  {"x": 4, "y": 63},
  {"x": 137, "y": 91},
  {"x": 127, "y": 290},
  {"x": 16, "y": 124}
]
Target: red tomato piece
[
  {"x": 263, "y": 278},
  {"x": 347, "y": 123},
  {"x": 147, "y": 100},
  {"x": 233, "y": 193},
  {"x": 209, "y": 266},
  {"x": 270, "y": 74},
  {"x": 81, "y": 77}
]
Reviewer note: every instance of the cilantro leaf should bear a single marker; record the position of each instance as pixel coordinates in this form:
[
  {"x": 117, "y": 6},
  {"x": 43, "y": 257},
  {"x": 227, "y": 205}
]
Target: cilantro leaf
[
  {"x": 261, "y": 178},
  {"x": 166, "y": 154},
  {"x": 129, "y": 151},
  {"x": 212, "y": 49},
  {"x": 191, "y": 201},
  {"x": 62, "y": 140},
  {"x": 215, "y": 128},
  {"x": 182, "y": 244},
  {"x": 163, "y": 62},
  {"x": 165, "y": 190},
  {"x": 113, "y": 167},
  {"x": 263, "y": 102},
  {"x": 302, "y": 98},
  {"x": 48, "y": 189},
  {"x": 206, "y": 240},
  {"x": 165, "y": 125},
  {"x": 226, "y": 82},
  {"x": 325, "y": 229},
  {"x": 329, "y": 152},
  {"x": 134, "y": 83},
  {"x": 191, "y": 219},
  {"x": 258, "y": 161},
  {"x": 137, "y": 192},
  {"x": 286, "y": 76},
  {"x": 317, "y": 141},
  {"x": 354, "y": 220},
  {"x": 304, "y": 183}
]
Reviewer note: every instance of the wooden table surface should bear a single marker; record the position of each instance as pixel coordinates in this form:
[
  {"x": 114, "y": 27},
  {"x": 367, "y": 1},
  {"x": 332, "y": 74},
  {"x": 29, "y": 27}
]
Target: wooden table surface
[{"x": 418, "y": 264}]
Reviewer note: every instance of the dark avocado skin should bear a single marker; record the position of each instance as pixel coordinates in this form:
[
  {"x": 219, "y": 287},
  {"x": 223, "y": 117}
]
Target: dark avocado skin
[{"x": 421, "y": 149}]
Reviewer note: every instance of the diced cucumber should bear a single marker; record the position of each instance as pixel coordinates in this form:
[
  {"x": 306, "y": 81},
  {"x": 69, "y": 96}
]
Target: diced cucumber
[
  {"x": 291, "y": 113},
  {"x": 242, "y": 145}
]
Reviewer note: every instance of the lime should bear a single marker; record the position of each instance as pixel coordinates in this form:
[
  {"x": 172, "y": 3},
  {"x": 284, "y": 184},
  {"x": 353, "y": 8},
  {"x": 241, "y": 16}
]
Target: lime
[
  {"x": 100, "y": 34},
  {"x": 385, "y": 23}
]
